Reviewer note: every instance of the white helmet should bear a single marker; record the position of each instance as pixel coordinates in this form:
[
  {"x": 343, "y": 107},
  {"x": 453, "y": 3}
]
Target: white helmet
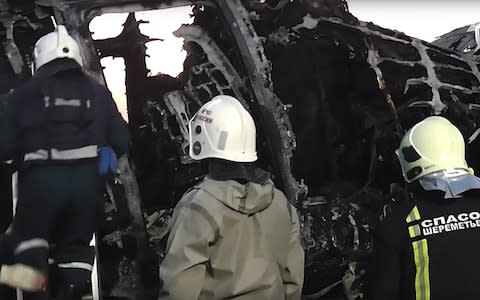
[
  {"x": 56, "y": 44},
  {"x": 432, "y": 145},
  {"x": 223, "y": 128}
]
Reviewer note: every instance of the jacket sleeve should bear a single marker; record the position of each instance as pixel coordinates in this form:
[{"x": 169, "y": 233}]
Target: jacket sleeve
[
  {"x": 184, "y": 267},
  {"x": 293, "y": 278},
  {"x": 7, "y": 131},
  {"x": 117, "y": 129},
  {"x": 383, "y": 274}
]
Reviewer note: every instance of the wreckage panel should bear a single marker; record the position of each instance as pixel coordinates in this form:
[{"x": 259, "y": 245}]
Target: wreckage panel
[
  {"x": 453, "y": 95},
  {"x": 421, "y": 91},
  {"x": 388, "y": 32},
  {"x": 398, "y": 50},
  {"x": 457, "y": 77},
  {"x": 447, "y": 59},
  {"x": 460, "y": 40},
  {"x": 396, "y": 75},
  {"x": 145, "y": 93}
]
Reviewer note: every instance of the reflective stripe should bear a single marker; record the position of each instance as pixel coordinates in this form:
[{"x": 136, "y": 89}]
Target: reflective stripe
[
  {"x": 37, "y": 155},
  {"x": 79, "y": 153},
  {"x": 413, "y": 216},
  {"x": 72, "y": 154},
  {"x": 30, "y": 244},
  {"x": 414, "y": 231},
  {"x": 63, "y": 102},
  {"x": 420, "y": 255},
  {"x": 47, "y": 101},
  {"x": 76, "y": 265},
  {"x": 422, "y": 276}
]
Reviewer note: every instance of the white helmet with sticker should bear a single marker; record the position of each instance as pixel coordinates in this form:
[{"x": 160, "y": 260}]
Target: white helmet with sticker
[{"x": 223, "y": 128}]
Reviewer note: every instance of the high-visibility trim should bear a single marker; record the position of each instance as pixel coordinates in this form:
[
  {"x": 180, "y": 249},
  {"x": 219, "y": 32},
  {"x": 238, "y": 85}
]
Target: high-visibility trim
[
  {"x": 414, "y": 231},
  {"x": 71, "y": 154},
  {"x": 422, "y": 276},
  {"x": 64, "y": 102},
  {"x": 76, "y": 265},
  {"x": 30, "y": 244},
  {"x": 37, "y": 155},
  {"x": 46, "y": 99},
  {"x": 420, "y": 255},
  {"x": 413, "y": 216},
  {"x": 79, "y": 153}
]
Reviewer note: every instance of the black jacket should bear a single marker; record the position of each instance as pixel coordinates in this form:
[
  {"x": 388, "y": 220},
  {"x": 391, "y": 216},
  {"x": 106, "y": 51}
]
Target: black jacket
[
  {"x": 428, "y": 249},
  {"x": 88, "y": 116}
]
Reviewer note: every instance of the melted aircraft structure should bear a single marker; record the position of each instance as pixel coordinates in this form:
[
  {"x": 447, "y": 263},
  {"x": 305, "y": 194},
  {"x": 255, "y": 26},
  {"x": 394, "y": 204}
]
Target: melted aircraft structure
[{"x": 331, "y": 96}]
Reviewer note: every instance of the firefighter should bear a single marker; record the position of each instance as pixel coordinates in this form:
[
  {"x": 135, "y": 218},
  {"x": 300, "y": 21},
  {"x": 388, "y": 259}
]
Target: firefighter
[
  {"x": 55, "y": 126},
  {"x": 234, "y": 235},
  {"x": 427, "y": 248}
]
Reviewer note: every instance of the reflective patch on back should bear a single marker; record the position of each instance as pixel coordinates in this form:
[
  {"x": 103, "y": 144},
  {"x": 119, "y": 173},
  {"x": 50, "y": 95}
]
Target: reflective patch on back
[
  {"x": 222, "y": 141},
  {"x": 71, "y": 103},
  {"x": 46, "y": 99}
]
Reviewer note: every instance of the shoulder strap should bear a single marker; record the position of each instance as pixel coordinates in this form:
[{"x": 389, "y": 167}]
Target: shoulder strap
[
  {"x": 88, "y": 95},
  {"x": 49, "y": 102}
]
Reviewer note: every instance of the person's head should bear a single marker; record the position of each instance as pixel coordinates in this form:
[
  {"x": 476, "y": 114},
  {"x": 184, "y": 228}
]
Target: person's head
[
  {"x": 432, "y": 145},
  {"x": 223, "y": 129},
  {"x": 55, "y": 45}
]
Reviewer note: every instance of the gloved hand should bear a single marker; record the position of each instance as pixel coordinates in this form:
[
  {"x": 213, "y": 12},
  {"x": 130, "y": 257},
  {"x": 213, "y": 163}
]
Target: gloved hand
[{"x": 107, "y": 161}]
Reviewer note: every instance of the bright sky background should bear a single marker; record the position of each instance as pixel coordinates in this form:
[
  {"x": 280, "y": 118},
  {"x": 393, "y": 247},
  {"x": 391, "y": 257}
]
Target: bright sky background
[
  {"x": 425, "y": 19},
  {"x": 165, "y": 56}
]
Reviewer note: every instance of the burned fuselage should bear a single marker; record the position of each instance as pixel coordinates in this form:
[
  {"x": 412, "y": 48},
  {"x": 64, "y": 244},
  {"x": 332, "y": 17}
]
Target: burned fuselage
[{"x": 331, "y": 97}]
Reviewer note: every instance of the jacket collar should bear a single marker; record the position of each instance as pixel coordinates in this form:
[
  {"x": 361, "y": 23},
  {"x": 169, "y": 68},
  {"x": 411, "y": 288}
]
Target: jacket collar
[
  {"x": 222, "y": 170},
  {"x": 56, "y": 66}
]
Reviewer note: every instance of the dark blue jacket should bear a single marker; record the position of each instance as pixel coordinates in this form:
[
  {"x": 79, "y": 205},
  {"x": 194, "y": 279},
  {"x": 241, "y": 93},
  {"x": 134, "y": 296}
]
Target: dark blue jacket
[{"x": 61, "y": 108}]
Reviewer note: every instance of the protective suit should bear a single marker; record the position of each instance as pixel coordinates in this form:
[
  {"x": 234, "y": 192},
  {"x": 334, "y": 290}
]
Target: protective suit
[
  {"x": 234, "y": 235},
  {"x": 231, "y": 240}
]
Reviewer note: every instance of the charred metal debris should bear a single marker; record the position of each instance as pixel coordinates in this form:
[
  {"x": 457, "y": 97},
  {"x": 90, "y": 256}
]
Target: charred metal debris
[
  {"x": 331, "y": 96},
  {"x": 464, "y": 40}
]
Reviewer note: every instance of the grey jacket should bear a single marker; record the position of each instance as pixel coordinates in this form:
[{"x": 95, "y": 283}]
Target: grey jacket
[{"x": 230, "y": 240}]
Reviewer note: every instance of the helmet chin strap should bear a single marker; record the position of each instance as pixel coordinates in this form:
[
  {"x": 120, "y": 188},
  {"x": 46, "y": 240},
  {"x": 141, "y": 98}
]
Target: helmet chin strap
[
  {"x": 54, "y": 21},
  {"x": 453, "y": 182}
]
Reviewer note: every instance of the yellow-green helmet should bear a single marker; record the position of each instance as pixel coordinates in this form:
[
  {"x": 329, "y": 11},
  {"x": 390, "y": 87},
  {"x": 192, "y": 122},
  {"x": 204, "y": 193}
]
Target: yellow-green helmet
[{"x": 431, "y": 145}]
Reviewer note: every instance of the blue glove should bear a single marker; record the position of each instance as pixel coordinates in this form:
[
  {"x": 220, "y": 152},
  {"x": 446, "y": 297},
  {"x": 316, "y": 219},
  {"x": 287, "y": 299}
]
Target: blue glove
[{"x": 107, "y": 161}]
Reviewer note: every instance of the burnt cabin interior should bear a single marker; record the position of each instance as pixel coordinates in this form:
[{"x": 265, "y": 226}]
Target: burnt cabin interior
[{"x": 347, "y": 90}]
